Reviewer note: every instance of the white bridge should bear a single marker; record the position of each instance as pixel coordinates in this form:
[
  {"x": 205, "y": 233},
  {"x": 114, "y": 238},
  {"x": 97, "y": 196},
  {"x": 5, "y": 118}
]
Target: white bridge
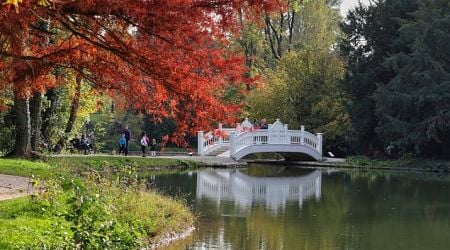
[
  {"x": 245, "y": 139},
  {"x": 232, "y": 185}
]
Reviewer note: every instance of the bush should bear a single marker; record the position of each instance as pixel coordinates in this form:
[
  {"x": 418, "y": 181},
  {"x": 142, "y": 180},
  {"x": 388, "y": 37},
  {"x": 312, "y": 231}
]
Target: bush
[{"x": 6, "y": 139}]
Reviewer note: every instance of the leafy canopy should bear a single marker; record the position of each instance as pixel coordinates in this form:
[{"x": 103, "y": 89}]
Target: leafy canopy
[{"x": 168, "y": 58}]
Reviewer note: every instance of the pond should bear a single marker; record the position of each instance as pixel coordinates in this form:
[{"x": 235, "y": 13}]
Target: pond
[{"x": 273, "y": 207}]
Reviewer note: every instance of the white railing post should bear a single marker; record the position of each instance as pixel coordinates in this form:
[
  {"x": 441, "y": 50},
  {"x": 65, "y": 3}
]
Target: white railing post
[
  {"x": 232, "y": 144},
  {"x": 220, "y": 135},
  {"x": 319, "y": 144},
  {"x": 269, "y": 133},
  {"x": 200, "y": 141},
  {"x": 286, "y": 139},
  {"x": 302, "y": 135}
]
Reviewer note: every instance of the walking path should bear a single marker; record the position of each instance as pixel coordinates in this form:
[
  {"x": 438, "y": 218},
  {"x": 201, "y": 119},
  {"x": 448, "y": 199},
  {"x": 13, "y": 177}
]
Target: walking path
[{"x": 14, "y": 186}]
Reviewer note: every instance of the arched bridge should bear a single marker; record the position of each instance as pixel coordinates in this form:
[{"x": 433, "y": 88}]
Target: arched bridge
[{"x": 245, "y": 139}]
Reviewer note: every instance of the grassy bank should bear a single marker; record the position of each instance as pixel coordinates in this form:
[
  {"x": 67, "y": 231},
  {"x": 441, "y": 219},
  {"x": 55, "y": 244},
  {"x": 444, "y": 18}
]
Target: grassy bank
[
  {"x": 74, "y": 165},
  {"x": 28, "y": 168},
  {"x": 413, "y": 164},
  {"x": 84, "y": 205}
]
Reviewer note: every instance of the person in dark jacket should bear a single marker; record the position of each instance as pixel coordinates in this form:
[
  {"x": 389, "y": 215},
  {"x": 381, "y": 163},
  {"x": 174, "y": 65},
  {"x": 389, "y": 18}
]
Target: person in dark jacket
[
  {"x": 153, "y": 148},
  {"x": 127, "y": 133}
]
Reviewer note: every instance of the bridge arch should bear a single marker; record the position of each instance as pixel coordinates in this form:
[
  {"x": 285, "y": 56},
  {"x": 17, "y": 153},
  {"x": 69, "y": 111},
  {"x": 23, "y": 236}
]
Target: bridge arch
[{"x": 301, "y": 150}]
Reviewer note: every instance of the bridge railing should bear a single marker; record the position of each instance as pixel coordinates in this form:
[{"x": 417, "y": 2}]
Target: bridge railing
[
  {"x": 210, "y": 140},
  {"x": 245, "y": 135},
  {"x": 265, "y": 137},
  {"x": 247, "y": 138},
  {"x": 305, "y": 138}
]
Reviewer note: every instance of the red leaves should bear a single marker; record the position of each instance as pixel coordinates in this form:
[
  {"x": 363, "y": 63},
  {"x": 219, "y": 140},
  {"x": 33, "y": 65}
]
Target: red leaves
[
  {"x": 169, "y": 58},
  {"x": 220, "y": 133}
]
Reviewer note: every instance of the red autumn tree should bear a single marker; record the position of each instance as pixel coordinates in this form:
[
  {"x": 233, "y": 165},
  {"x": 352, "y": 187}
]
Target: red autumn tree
[{"x": 169, "y": 58}]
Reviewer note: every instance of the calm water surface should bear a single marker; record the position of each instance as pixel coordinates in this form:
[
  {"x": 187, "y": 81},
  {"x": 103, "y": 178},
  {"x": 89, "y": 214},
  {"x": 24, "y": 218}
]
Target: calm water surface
[{"x": 274, "y": 207}]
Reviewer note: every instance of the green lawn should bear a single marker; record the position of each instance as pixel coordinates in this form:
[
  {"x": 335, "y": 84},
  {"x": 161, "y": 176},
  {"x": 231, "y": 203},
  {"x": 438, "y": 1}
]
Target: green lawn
[
  {"x": 93, "y": 202},
  {"x": 54, "y": 166},
  {"x": 421, "y": 164}
]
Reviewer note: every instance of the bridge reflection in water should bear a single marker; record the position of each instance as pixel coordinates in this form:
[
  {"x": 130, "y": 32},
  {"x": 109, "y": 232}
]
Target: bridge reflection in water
[{"x": 233, "y": 185}]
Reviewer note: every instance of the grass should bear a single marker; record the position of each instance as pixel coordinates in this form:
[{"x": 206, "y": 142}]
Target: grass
[
  {"x": 92, "y": 202},
  {"x": 117, "y": 161},
  {"x": 23, "y": 226},
  {"x": 73, "y": 165},
  {"x": 27, "y": 168},
  {"x": 407, "y": 163},
  {"x": 365, "y": 162},
  {"x": 34, "y": 233},
  {"x": 156, "y": 214},
  {"x": 146, "y": 216}
]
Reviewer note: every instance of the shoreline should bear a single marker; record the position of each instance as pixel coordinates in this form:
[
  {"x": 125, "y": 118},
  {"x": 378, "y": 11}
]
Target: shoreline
[
  {"x": 430, "y": 166},
  {"x": 16, "y": 186},
  {"x": 171, "y": 238}
]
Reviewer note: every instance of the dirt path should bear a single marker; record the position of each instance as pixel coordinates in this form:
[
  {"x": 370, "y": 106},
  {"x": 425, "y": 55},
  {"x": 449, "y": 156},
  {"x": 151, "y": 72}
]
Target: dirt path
[{"x": 14, "y": 186}]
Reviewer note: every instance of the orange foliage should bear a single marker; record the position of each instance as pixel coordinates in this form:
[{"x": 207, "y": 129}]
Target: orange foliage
[{"x": 169, "y": 58}]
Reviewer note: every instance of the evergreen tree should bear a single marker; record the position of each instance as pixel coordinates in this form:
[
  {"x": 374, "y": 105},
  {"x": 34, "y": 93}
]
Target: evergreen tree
[
  {"x": 369, "y": 34},
  {"x": 414, "y": 106}
]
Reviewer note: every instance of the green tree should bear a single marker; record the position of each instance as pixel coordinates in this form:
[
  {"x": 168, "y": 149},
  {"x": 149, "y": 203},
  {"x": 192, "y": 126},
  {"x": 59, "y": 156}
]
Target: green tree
[
  {"x": 304, "y": 90},
  {"x": 369, "y": 32},
  {"x": 67, "y": 107},
  {"x": 304, "y": 87},
  {"x": 291, "y": 26},
  {"x": 414, "y": 106}
]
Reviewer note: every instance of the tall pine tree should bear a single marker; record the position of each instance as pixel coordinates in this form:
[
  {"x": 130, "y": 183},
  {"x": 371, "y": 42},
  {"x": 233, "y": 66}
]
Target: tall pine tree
[
  {"x": 414, "y": 106},
  {"x": 369, "y": 34}
]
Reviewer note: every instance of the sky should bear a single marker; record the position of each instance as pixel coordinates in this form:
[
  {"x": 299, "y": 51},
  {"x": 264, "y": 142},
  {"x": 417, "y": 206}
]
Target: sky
[{"x": 350, "y": 4}]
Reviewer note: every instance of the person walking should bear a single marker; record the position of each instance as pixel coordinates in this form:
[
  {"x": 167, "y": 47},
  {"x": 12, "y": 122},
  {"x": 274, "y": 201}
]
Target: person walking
[
  {"x": 153, "y": 148},
  {"x": 127, "y": 134},
  {"x": 84, "y": 144},
  {"x": 144, "y": 143},
  {"x": 122, "y": 144}
]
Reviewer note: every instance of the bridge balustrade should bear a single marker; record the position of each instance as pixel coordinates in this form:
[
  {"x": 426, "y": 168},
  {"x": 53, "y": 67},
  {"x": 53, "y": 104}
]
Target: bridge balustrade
[{"x": 245, "y": 139}]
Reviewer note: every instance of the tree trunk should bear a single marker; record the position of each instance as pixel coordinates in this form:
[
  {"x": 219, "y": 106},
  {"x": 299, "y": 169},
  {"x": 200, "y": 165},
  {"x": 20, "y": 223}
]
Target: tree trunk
[
  {"x": 73, "y": 110},
  {"x": 23, "y": 126},
  {"x": 53, "y": 96},
  {"x": 113, "y": 107},
  {"x": 36, "y": 120}
]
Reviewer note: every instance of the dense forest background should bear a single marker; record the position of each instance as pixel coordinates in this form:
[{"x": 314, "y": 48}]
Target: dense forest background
[{"x": 376, "y": 82}]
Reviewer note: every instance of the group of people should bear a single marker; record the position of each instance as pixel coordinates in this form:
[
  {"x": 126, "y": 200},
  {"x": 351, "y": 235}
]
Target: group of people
[
  {"x": 144, "y": 141},
  {"x": 84, "y": 143},
  {"x": 262, "y": 124}
]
